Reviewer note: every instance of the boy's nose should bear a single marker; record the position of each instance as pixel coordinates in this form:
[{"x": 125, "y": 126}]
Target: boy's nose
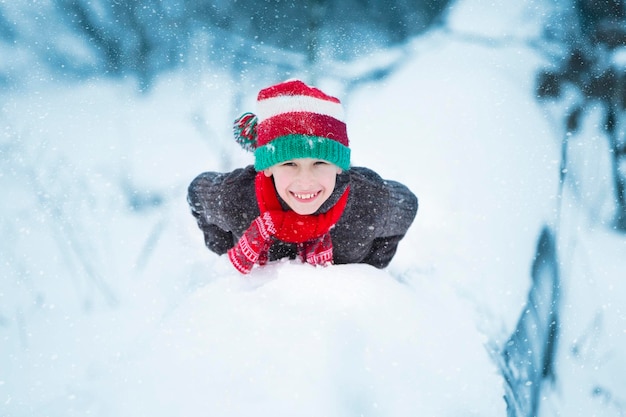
[{"x": 306, "y": 177}]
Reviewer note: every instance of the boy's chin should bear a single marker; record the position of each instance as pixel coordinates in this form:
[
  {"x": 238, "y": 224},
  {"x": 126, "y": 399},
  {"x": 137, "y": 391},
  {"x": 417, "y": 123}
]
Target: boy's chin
[{"x": 304, "y": 211}]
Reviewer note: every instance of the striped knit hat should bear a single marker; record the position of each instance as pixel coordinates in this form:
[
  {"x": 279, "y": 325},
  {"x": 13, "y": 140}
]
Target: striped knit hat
[{"x": 294, "y": 121}]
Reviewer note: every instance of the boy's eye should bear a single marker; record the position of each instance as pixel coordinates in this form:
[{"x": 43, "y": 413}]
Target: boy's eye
[
  {"x": 321, "y": 163},
  {"x": 289, "y": 164}
]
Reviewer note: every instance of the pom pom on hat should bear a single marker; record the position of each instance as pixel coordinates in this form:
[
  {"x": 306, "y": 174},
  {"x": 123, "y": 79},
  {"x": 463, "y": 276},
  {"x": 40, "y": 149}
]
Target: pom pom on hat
[
  {"x": 244, "y": 129},
  {"x": 294, "y": 121}
]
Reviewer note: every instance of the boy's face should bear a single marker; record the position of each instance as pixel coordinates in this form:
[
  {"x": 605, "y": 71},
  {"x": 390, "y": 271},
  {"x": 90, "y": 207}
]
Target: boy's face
[{"x": 304, "y": 183}]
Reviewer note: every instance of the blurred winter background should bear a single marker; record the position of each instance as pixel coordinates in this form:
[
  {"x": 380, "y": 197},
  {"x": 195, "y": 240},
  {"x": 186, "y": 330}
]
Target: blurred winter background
[{"x": 507, "y": 297}]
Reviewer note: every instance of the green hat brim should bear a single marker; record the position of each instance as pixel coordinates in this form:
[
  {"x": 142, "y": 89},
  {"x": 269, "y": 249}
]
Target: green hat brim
[{"x": 290, "y": 147}]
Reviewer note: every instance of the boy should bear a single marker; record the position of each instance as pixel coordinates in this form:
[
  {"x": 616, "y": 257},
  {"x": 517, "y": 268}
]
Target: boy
[{"x": 301, "y": 198}]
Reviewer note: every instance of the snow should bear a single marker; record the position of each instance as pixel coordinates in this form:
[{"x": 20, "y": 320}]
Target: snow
[
  {"x": 596, "y": 330},
  {"x": 114, "y": 307},
  {"x": 341, "y": 340}
]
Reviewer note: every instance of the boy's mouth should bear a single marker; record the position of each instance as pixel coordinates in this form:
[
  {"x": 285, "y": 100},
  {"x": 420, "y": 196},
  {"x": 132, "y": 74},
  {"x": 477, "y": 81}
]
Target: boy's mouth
[{"x": 304, "y": 197}]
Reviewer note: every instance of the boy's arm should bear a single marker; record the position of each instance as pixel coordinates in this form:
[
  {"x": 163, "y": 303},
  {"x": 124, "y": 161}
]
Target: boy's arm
[
  {"x": 382, "y": 251},
  {"x": 402, "y": 209},
  {"x": 203, "y": 193},
  {"x": 216, "y": 239}
]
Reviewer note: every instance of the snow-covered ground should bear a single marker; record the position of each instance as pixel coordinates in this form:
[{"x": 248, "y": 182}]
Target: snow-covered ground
[{"x": 110, "y": 305}]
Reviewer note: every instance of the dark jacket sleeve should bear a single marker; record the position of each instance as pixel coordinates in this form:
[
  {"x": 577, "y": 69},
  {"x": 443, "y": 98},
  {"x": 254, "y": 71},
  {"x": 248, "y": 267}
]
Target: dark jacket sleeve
[
  {"x": 377, "y": 217},
  {"x": 222, "y": 206},
  {"x": 382, "y": 251},
  {"x": 401, "y": 211}
]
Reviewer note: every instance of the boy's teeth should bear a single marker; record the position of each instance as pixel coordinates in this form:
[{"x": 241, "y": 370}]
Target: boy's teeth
[{"x": 305, "y": 196}]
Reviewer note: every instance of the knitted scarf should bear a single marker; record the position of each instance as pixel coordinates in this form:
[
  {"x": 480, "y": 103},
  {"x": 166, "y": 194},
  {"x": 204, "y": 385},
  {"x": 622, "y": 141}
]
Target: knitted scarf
[{"x": 310, "y": 233}]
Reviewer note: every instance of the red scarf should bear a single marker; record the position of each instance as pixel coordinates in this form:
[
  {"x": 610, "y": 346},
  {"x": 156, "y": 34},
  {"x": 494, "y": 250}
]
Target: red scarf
[{"x": 311, "y": 233}]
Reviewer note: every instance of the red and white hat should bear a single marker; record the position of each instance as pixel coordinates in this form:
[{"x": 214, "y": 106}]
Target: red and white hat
[{"x": 293, "y": 121}]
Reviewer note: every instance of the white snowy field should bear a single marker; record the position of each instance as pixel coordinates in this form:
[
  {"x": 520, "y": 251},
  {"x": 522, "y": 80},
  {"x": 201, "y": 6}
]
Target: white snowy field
[{"x": 110, "y": 305}]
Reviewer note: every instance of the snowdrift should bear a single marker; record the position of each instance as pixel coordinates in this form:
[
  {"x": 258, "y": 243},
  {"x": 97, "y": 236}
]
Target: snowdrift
[{"x": 292, "y": 339}]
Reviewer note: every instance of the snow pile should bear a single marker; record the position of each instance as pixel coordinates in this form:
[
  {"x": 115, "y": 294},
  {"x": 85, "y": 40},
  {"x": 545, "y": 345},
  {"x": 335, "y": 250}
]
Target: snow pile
[{"x": 292, "y": 339}]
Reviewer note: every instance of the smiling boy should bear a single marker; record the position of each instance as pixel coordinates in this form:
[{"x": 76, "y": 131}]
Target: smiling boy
[
  {"x": 304, "y": 183},
  {"x": 301, "y": 198}
]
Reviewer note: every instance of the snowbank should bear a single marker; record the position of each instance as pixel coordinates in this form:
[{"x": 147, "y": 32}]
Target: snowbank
[{"x": 292, "y": 339}]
